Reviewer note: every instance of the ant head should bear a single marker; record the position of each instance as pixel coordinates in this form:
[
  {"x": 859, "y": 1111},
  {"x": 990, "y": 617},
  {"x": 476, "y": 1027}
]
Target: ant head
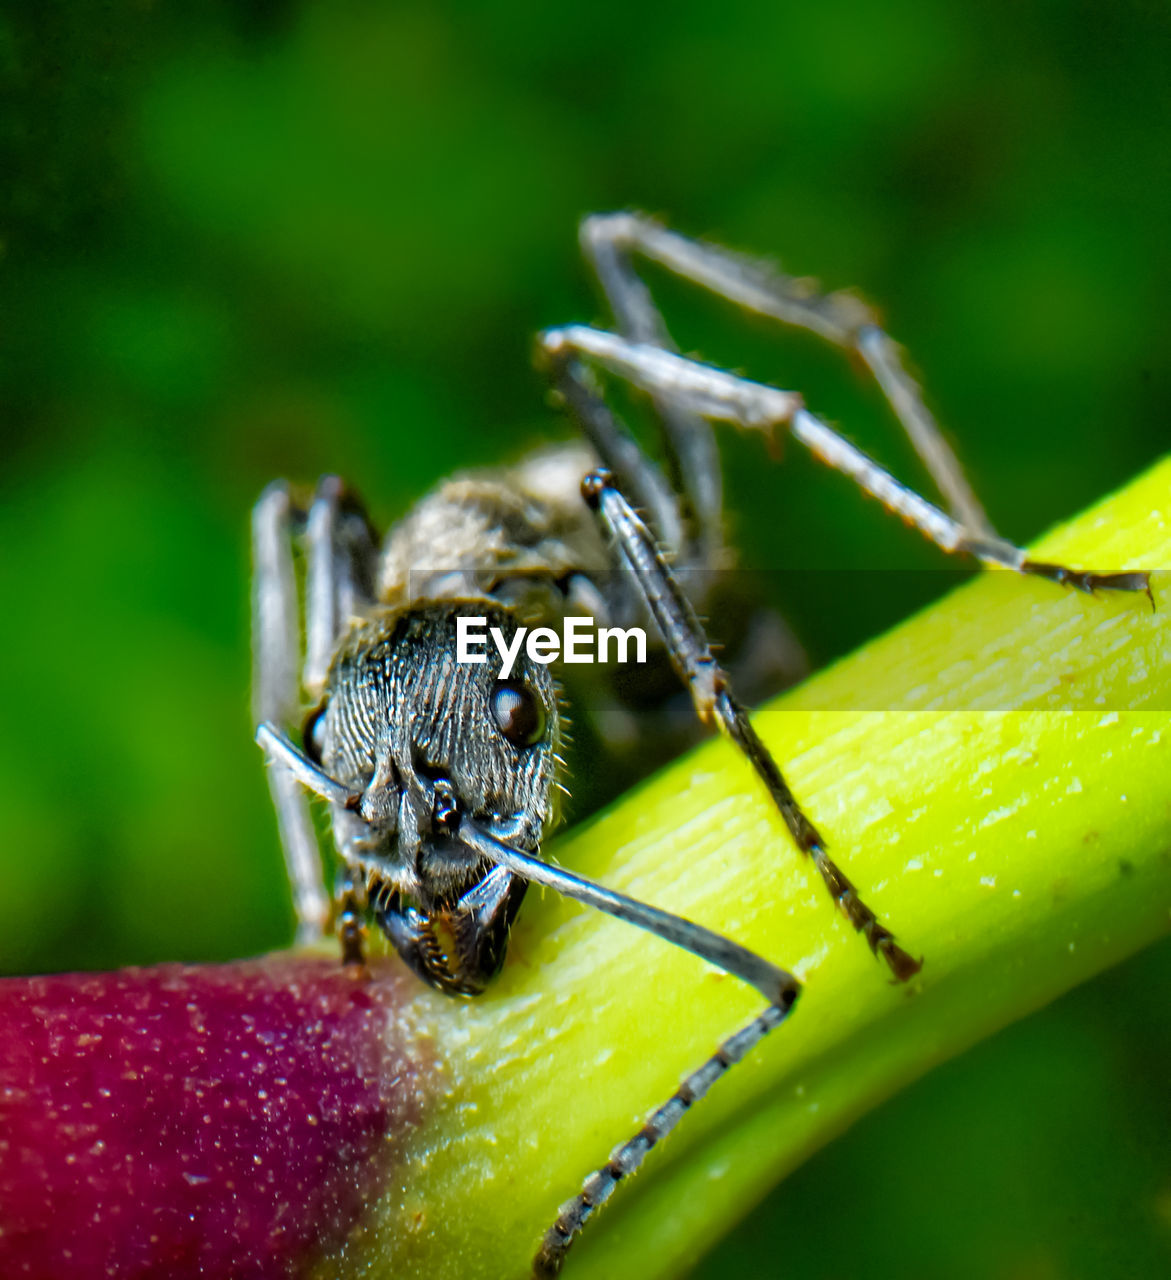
[{"x": 403, "y": 715}]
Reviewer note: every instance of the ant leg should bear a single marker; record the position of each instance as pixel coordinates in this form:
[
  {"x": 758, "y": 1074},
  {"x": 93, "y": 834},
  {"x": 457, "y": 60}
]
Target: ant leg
[
  {"x": 275, "y": 652},
  {"x": 351, "y": 901},
  {"x": 715, "y": 704},
  {"x": 611, "y": 240},
  {"x": 618, "y": 450},
  {"x": 768, "y": 656},
  {"x": 339, "y": 580},
  {"x": 688, "y": 436},
  {"x": 728, "y": 398},
  {"x": 341, "y": 563}
]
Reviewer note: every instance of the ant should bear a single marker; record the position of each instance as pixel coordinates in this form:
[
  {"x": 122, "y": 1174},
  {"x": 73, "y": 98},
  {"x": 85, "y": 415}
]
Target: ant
[{"x": 443, "y": 777}]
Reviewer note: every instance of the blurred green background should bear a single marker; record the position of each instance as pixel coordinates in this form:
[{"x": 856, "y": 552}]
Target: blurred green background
[{"x": 261, "y": 238}]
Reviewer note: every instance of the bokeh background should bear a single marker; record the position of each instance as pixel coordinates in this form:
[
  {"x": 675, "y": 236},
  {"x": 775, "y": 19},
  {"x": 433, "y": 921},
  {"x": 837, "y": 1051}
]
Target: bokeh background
[{"x": 263, "y": 237}]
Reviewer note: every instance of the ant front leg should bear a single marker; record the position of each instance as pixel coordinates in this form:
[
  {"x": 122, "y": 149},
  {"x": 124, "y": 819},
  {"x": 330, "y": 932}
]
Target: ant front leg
[{"x": 716, "y": 705}]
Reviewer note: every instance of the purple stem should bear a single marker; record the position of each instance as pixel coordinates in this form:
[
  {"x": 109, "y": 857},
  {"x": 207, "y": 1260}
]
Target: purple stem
[{"x": 234, "y": 1121}]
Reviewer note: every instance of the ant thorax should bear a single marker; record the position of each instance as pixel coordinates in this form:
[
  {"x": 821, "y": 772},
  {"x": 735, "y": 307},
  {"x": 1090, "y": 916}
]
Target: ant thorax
[{"x": 520, "y": 536}]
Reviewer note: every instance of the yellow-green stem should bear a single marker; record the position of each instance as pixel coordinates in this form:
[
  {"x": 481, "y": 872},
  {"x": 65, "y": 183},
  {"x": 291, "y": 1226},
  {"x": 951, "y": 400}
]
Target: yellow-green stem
[{"x": 995, "y": 776}]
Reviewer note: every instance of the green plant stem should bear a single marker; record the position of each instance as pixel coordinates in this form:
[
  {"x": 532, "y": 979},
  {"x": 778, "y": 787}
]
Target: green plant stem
[{"x": 994, "y": 775}]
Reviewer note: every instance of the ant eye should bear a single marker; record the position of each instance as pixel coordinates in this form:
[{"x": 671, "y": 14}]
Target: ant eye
[
  {"x": 313, "y": 734},
  {"x": 518, "y": 713}
]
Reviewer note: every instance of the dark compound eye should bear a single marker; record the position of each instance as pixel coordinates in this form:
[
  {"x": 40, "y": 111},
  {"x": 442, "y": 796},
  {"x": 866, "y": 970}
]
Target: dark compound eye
[
  {"x": 518, "y": 712},
  {"x": 313, "y": 734}
]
